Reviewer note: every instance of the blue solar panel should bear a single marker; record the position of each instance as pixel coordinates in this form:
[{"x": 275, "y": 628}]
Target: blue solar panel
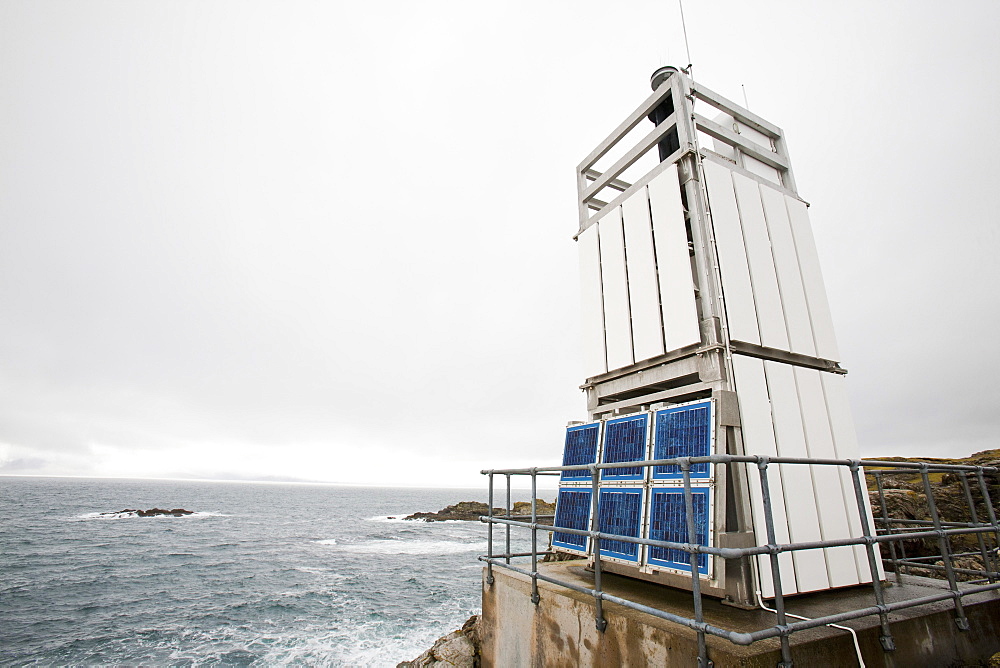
[
  {"x": 572, "y": 512},
  {"x": 668, "y": 521},
  {"x": 580, "y": 448},
  {"x": 683, "y": 431},
  {"x": 620, "y": 512},
  {"x": 625, "y": 441}
]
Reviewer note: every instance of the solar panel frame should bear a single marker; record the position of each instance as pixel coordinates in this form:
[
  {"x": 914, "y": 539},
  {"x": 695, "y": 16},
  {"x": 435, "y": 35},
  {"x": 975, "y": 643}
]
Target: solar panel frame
[
  {"x": 613, "y": 503},
  {"x": 572, "y": 512},
  {"x": 625, "y": 439},
  {"x": 575, "y": 453},
  {"x": 664, "y": 445},
  {"x": 704, "y": 505}
]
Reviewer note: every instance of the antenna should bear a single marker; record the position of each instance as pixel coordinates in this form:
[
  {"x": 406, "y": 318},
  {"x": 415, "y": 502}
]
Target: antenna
[
  {"x": 687, "y": 47},
  {"x": 746, "y": 103}
]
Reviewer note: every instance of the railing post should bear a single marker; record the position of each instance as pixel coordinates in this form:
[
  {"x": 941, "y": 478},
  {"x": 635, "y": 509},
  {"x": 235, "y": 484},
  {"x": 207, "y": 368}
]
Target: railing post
[
  {"x": 506, "y": 553},
  {"x": 960, "y": 619},
  {"x": 990, "y": 514},
  {"x": 772, "y": 545},
  {"x": 534, "y": 536},
  {"x": 887, "y": 525},
  {"x": 489, "y": 533},
  {"x": 974, "y": 516},
  {"x": 692, "y": 531},
  {"x": 599, "y": 621},
  {"x": 888, "y": 644}
]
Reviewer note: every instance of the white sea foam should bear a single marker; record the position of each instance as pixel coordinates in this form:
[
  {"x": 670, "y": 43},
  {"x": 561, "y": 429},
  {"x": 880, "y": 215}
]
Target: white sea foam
[
  {"x": 401, "y": 517},
  {"x": 127, "y": 516},
  {"x": 412, "y": 547},
  {"x": 326, "y": 541}
]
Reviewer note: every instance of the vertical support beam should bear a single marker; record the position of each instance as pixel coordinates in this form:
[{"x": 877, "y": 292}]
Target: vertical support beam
[
  {"x": 534, "y": 535},
  {"x": 974, "y": 516},
  {"x": 886, "y": 638},
  {"x": 692, "y": 539},
  {"x": 772, "y": 545},
  {"x": 489, "y": 534},
  {"x": 506, "y": 554},
  {"x": 599, "y": 621},
  {"x": 887, "y": 526},
  {"x": 960, "y": 619},
  {"x": 706, "y": 256}
]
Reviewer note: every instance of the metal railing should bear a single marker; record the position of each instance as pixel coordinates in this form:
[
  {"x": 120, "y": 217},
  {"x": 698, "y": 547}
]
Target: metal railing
[{"x": 896, "y": 533}]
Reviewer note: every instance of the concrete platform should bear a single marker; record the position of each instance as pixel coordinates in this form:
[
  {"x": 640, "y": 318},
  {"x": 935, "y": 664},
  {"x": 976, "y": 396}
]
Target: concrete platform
[{"x": 560, "y": 631}]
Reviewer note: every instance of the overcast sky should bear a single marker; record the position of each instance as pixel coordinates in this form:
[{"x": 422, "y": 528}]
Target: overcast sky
[{"x": 333, "y": 241}]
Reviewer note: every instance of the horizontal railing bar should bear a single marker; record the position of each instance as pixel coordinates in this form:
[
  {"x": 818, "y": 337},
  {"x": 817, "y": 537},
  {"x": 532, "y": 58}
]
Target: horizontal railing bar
[
  {"x": 742, "y": 115},
  {"x": 938, "y": 556},
  {"x": 730, "y": 459},
  {"x": 616, "y": 184},
  {"x": 865, "y": 612},
  {"x": 931, "y": 468},
  {"x": 956, "y": 569},
  {"x": 626, "y": 126},
  {"x": 737, "y": 552},
  {"x": 654, "y": 137},
  {"x": 893, "y": 520},
  {"x": 751, "y": 148},
  {"x": 646, "y": 178}
]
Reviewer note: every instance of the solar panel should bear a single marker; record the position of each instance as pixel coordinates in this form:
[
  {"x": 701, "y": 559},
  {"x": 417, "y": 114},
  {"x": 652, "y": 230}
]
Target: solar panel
[
  {"x": 668, "y": 521},
  {"x": 683, "y": 431},
  {"x": 620, "y": 512},
  {"x": 625, "y": 440},
  {"x": 580, "y": 448},
  {"x": 572, "y": 512}
]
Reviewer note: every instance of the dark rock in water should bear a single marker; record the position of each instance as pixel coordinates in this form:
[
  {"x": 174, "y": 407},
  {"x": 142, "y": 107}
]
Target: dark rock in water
[
  {"x": 153, "y": 512},
  {"x": 471, "y": 510},
  {"x": 459, "y": 648}
]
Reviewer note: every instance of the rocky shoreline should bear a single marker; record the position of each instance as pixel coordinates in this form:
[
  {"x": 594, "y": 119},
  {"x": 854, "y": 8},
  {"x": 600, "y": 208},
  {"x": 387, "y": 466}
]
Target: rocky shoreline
[
  {"x": 460, "y": 649},
  {"x": 471, "y": 511}
]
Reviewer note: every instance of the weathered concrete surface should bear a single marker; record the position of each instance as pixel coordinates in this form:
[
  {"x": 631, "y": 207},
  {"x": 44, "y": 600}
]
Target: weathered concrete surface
[{"x": 560, "y": 631}]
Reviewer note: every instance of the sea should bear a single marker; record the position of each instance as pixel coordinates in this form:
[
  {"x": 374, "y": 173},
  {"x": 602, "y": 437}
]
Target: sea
[{"x": 259, "y": 574}]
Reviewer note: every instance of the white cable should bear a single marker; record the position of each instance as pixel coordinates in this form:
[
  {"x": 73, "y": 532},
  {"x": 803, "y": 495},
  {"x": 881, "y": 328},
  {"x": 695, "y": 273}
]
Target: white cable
[{"x": 760, "y": 603}]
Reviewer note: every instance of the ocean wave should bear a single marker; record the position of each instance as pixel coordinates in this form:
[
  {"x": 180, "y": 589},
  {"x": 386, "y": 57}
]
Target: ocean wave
[
  {"x": 389, "y": 518},
  {"x": 412, "y": 547},
  {"x": 326, "y": 541},
  {"x": 127, "y": 516}
]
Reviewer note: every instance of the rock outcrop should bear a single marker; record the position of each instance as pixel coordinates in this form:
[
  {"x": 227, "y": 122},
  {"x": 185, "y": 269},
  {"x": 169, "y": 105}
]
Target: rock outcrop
[
  {"x": 471, "y": 510},
  {"x": 905, "y": 500},
  {"x": 153, "y": 512},
  {"x": 459, "y": 648}
]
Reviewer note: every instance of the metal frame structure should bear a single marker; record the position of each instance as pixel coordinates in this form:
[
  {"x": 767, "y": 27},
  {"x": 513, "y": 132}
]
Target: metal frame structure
[{"x": 886, "y": 533}]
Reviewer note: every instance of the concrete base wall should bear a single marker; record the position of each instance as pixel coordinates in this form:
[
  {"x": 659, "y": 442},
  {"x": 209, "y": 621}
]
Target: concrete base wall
[{"x": 561, "y": 630}]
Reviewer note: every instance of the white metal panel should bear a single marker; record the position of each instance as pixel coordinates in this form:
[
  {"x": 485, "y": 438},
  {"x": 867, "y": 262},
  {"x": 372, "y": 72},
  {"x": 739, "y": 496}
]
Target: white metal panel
[
  {"x": 831, "y": 497},
  {"x": 617, "y": 320},
  {"x": 800, "y": 493},
  {"x": 770, "y": 316},
  {"x": 786, "y": 265},
  {"x": 643, "y": 293},
  {"x": 812, "y": 280},
  {"x": 680, "y": 313},
  {"x": 753, "y": 165},
  {"x": 591, "y": 303},
  {"x": 721, "y": 147},
  {"x": 845, "y": 442},
  {"x": 758, "y": 439},
  {"x": 736, "y": 287}
]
